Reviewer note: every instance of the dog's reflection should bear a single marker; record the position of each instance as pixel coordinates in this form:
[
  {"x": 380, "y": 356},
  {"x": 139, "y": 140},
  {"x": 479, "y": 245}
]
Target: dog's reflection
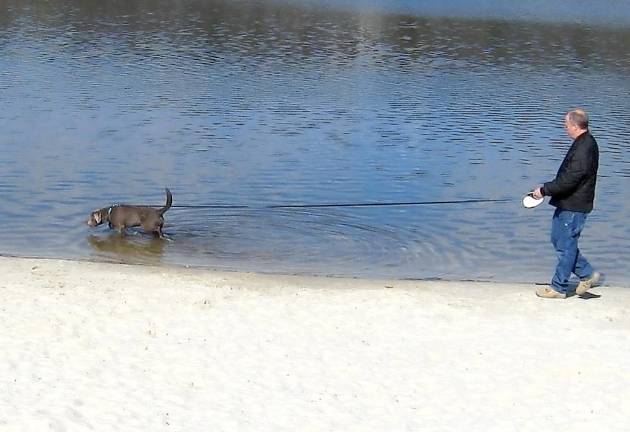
[{"x": 126, "y": 247}]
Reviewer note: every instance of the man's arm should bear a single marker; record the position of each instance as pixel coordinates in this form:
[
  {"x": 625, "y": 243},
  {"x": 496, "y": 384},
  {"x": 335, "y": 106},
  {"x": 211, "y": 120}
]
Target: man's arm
[{"x": 570, "y": 177}]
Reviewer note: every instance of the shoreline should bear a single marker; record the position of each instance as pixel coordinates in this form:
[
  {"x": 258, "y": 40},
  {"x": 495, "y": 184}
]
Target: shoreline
[
  {"x": 297, "y": 274},
  {"x": 100, "y": 346}
]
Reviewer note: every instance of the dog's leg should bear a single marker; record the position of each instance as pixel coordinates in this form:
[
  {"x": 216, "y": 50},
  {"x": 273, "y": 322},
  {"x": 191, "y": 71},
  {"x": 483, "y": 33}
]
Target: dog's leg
[{"x": 158, "y": 228}]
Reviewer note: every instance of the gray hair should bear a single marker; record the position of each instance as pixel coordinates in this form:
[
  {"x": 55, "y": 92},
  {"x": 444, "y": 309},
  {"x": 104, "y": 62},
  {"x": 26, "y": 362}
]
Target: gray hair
[{"x": 579, "y": 118}]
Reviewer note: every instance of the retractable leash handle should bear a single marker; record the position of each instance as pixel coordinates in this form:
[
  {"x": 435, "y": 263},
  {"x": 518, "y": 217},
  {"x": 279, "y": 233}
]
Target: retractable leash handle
[{"x": 530, "y": 202}]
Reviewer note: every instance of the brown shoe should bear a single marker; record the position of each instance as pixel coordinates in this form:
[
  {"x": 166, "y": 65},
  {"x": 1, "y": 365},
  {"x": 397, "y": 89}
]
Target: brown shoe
[
  {"x": 546, "y": 292},
  {"x": 588, "y": 283}
]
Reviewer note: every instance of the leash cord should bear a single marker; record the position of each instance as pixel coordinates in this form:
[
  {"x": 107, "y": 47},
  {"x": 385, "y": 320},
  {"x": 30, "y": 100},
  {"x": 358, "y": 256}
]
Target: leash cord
[{"x": 377, "y": 204}]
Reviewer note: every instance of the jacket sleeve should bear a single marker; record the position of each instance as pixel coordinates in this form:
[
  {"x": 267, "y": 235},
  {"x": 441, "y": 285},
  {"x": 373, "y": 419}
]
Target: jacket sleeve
[{"x": 568, "y": 178}]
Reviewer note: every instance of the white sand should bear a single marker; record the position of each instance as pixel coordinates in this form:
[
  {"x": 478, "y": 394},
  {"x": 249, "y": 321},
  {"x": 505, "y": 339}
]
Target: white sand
[{"x": 99, "y": 347}]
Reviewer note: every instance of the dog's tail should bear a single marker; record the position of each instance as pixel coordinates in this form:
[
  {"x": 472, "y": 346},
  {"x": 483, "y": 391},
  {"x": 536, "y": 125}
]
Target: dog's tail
[{"x": 169, "y": 202}]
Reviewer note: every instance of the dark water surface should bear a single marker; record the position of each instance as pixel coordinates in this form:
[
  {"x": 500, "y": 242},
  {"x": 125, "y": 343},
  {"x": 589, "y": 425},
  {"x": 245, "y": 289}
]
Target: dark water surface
[{"x": 261, "y": 103}]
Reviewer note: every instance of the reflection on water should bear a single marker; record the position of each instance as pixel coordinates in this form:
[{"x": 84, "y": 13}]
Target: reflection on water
[
  {"x": 130, "y": 248},
  {"x": 258, "y": 103}
]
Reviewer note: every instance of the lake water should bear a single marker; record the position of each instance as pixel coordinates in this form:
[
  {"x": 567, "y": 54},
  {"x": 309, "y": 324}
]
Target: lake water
[{"x": 264, "y": 103}]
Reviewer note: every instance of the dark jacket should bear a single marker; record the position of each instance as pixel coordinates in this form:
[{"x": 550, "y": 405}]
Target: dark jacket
[{"x": 574, "y": 186}]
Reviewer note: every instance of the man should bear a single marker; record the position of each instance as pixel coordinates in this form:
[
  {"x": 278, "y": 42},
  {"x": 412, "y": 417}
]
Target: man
[{"x": 572, "y": 193}]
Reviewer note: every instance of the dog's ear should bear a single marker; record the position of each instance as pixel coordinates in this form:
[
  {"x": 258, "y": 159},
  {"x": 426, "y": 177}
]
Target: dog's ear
[{"x": 97, "y": 217}]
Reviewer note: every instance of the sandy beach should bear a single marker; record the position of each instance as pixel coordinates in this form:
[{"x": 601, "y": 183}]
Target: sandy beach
[{"x": 106, "y": 347}]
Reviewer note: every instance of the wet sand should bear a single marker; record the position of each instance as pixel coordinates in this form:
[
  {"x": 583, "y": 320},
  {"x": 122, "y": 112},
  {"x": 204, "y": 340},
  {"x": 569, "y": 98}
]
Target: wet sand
[{"x": 93, "y": 346}]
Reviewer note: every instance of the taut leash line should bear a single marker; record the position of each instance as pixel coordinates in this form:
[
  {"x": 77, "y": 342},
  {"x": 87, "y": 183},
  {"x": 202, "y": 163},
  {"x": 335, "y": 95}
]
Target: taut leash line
[{"x": 377, "y": 204}]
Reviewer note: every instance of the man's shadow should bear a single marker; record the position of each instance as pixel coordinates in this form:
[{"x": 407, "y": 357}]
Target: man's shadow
[{"x": 588, "y": 296}]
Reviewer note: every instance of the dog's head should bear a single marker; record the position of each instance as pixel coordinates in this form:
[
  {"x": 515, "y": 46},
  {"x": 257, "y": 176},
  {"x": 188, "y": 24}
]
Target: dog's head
[{"x": 97, "y": 217}]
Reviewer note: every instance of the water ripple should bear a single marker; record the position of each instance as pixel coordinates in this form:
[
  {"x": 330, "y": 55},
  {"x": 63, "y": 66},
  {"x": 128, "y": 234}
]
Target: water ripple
[{"x": 263, "y": 103}]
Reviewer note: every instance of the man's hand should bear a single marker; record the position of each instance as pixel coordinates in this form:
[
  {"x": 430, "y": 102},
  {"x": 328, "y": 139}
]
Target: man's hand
[{"x": 537, "y": 193}]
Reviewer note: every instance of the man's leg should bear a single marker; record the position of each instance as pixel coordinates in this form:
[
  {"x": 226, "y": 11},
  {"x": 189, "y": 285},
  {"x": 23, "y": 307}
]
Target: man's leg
[
  {"x": 583, "y": 268},
  {"x": 564, "y": 237}
]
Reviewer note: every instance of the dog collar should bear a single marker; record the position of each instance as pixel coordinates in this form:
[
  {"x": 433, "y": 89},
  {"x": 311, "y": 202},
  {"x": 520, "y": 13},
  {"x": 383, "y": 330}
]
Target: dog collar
[{"x": 109, "y": 210}]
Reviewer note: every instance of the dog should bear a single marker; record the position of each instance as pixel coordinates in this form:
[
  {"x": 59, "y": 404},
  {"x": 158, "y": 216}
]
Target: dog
[{"x": 122, "y": 216}]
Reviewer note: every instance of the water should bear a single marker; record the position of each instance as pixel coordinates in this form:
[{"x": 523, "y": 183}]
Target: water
[{"x": 262, "y": 103}]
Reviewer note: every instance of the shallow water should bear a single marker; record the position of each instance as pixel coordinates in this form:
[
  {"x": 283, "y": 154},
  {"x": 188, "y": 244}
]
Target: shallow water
[{"x": 266, "y": 103}]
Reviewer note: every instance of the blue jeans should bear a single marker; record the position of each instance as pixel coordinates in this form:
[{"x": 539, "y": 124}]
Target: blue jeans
[{"x": 566, "y": 227}]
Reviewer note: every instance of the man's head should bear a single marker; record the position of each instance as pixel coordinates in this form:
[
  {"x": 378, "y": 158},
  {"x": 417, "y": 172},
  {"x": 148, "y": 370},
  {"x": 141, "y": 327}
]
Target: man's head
[{"x": 576, "y": 123}]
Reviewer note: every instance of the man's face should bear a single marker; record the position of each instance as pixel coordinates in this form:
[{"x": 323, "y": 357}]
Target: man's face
[{"x": 570, "y": 127}]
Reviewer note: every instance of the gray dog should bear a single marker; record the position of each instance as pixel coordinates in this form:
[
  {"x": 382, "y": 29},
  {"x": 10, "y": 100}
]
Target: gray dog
[{"x": 122, "y": 216}]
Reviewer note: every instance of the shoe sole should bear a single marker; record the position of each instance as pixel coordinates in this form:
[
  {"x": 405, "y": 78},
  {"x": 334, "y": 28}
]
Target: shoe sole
[
  {"x": 584, "y": 286},
  {"x": 550, "y": 295}
]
